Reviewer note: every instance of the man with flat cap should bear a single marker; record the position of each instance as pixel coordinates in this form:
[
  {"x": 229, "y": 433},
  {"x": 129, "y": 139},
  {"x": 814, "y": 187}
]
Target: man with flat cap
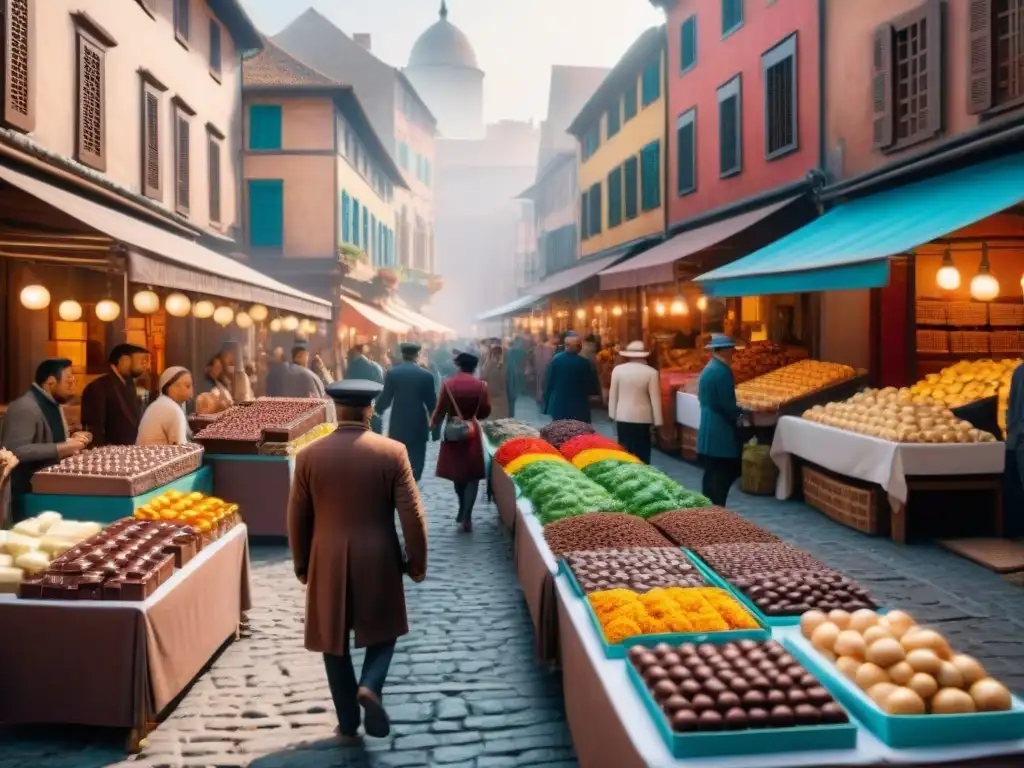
[
  {"x": 341, "y": 530},
  {"x": 410, "y": 392},
  {"x": 110, "y": 404}
]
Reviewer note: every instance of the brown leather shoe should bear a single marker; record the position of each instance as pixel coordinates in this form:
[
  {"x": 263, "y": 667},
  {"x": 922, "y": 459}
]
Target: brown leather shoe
[
  {"x": 375, "y": 717},
  {"x": 347, "y": 739}
]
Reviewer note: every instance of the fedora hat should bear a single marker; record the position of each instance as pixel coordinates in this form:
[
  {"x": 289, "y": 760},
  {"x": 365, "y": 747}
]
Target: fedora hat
[
  {"x": 720, "y": 341},
  {"x": 635, "y": 349}
]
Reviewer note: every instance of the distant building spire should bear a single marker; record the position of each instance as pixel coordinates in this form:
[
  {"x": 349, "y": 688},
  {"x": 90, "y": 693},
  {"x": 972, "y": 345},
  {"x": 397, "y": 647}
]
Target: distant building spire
[{"x": 444, "y": 10}]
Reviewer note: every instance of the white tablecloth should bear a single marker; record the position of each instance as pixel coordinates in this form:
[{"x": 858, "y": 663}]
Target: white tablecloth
[
  {"x": 687, "y": 410},
  {"x": 874, "y": 460}
]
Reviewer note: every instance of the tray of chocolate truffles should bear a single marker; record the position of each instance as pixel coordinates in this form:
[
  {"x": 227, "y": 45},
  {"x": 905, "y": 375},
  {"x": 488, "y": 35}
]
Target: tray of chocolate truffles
[
  {"x": 634, "y": 568},
  {"x": 736, "y": 698},
  {"x": 127, "y": 561},
  {"x": 243, "y": 428},
  {"x": 118, "y": 470},
  {"x": 779, "y": 582}
]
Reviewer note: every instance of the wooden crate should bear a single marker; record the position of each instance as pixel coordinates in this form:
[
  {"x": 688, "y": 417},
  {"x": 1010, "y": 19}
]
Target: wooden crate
[
  {"x": 688, "y": 436},
  {"x": 855, "y": 505},
  {"x": 1006, "y": 342},
  {"x": 969, "y": 342},
  {"x": 931, "y": 313},
  {"x": 929, "y": 341},
  {"x": 967, "y": 313},
  {"x": 1006, "y": 315}
]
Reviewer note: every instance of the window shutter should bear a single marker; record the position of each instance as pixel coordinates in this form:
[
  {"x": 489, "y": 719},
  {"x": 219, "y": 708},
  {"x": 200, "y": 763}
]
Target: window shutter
[
  {"x": 18, "y": 62},
  {"x": 346, "y": 228},
  {"x": 355, "y": 222},
  {"x": 182, "y": 160},
  {"x": 584, "y": 215},
  {"x": 181, "y": 20},
  {"x": 151, "y": 143},
  {"x": 266, "y": 213},
  {"x": 632, "y": 169},
  {"x": 933, "y": 40},
  {"x": 595, "y": 209},
  {"x": 881, "y": 87},
  {"x": 728, "y": 117},
  {"x": 979, "y": 57},
  {"x": 214, "y": 159},
  {"x": 686, "y": 140},
  {"x": 91, "y": 86},
  {"x": 688, "y": 44},
  {"x": 215, "y": 47}
]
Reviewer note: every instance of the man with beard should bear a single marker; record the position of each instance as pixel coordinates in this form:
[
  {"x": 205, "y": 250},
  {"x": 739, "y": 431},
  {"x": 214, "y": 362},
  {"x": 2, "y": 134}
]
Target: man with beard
[
  {"x": 110, "y": 404},
  {"x": 34, "y": 429}
]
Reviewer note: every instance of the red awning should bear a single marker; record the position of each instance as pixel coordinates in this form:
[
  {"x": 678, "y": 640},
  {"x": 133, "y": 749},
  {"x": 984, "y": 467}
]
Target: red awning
[{"x": 377, "y": 317}]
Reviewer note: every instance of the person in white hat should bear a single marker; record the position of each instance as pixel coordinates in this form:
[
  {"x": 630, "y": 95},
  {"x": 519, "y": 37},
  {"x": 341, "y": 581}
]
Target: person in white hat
[
  {"x": 164, "y": 422},
  {"x": 634, "y": 402}
]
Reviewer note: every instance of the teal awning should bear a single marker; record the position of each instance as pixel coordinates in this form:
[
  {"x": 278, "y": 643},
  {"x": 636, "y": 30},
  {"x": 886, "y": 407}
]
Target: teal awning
[{"x": 849, "y": 247}]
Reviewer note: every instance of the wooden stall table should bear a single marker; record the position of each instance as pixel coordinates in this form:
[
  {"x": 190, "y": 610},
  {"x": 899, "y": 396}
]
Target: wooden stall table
[
  {"x": 536, "y": 568},
  {"x": 260, "y": 486},
  {"x": 503, "y": 494},
  {"x": 119, "y": 664},
  {"x": 610, "y": 725},
  {"x": 897, "y": 468}
]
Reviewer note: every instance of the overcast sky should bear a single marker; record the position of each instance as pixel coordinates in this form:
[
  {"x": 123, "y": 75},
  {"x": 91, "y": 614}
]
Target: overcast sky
[{"x": 516, "y": 41}]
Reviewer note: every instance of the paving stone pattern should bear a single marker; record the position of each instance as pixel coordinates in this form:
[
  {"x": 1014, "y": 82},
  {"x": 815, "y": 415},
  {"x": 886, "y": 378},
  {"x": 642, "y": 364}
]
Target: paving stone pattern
[{"x": 464, "y": 689}]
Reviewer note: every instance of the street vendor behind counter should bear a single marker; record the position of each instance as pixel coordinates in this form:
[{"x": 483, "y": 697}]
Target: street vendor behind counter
[{"x": 34, "y": 428}]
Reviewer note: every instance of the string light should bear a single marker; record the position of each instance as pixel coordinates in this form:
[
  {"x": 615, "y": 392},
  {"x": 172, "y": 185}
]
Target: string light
[
  {"x": 702, "y": 303},
  {"x": 617, "y": 310},
  {"x": 258, "y": 312},
  {"x": 275, "y": 325},
  {"x": 984, "y": 286},
  {"x": 659, "y": 309},
  {"x": 678, "y": 306},
  {"x": 146, "y": 302},
  {"x": 948, "y": 276},
  {"x": 243, "y": 320},
  {"x": 290, "y": 323},
  {"x": 223, "y": 316},
  {"x": 35, "y": 297},
  {"x": 178, "y": 305},
  {"x": 203, "y": 309},
  {"x": 69, "y": 311},
  {"x": 108, "y": 310}
]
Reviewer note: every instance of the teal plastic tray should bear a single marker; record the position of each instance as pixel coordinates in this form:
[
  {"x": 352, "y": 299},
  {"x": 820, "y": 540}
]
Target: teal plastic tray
[
  {"x": 772, "y": 621},
  {"x": 908, "y": 731},
  {"x": 799, "y": 738},
  {"x": 619, "y": 650}
]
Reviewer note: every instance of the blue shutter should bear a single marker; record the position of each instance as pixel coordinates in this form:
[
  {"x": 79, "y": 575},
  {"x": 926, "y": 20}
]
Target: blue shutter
[
  {"x": 374, "y": 255},
  {"x": 615, "y": 198},
  {"x": 651, "y": 82},
  {"x": 266, "y": 213},
  {"x": 650, "y": 176},
  {"x": 355, "y": 222},
  {"x": 631, "y": 171},
  {"x": 366, "y": 230},
  {"x": 688, "y": 44},
  {"x": 265, "y": 126},
  {"x": 346, "y": 218},
  {"x": 614, "y": 119},
  {"x": 629, "y": 103}
]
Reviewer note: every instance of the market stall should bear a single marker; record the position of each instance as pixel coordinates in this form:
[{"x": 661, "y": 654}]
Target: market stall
[{"x": 158, "y": 593}]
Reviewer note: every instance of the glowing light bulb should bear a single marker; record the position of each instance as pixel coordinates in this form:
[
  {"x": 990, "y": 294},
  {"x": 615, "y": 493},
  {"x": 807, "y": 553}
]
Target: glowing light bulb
[
  {"x": 290, "y": 323},
  {"x": 275, "y": 325},
  {"x": 659, "y": 309},
  {"x": 223, "y": 316},
  {"x": 678, "y": 306},
  {"x": 108, "y": 310},
  {"x": 146, "y": 302},
  {"x": 617, "y": 311},
  {"x": 35, "y": 297},
  {"x": 702, "y": 303},
  {"x": 984, "y": 287},
  {"x": 948, "y": 276},
  {"x": 178, "y": 305},
  {"x": 70, "y": 311},
  {"x": 243, "y": 320},
  {"x": 203, "y": 309},
  {"x": 258, "y": 312}
]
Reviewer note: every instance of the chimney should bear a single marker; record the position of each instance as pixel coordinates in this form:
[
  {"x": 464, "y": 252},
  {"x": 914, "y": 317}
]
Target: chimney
[{"x": 364, "y": 40}]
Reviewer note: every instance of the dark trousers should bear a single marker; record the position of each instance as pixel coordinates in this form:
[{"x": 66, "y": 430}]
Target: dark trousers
[
  {"x": 341, "y": 679},
  {"x": 635, "y": 438},
  {"x": 719, "y": 475},
  {"x": 466, "y": 493}
]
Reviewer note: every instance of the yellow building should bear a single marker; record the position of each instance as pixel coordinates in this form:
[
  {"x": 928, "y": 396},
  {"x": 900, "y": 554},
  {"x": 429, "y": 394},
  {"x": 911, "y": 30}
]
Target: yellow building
[{"x": 622, "y": 150}]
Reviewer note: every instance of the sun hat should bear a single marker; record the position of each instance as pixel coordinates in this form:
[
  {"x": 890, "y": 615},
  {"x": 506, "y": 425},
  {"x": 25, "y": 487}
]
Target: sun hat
[
  {"x": 635, "y": 349},
  {"x": 720, "y": 341}
]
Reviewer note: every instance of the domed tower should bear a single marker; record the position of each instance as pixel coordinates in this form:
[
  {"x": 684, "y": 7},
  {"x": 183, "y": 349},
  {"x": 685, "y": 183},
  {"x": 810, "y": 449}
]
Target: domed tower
[{"x": 443, "y": 70}]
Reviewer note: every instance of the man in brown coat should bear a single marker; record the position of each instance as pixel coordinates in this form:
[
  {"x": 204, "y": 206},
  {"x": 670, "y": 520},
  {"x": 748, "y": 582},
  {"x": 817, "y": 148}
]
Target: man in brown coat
[{"x": 341, "y": 528}]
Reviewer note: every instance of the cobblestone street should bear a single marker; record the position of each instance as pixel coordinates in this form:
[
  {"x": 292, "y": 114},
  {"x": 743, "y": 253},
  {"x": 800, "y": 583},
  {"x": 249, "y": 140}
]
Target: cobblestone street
[{"x": 464, "y": 689}]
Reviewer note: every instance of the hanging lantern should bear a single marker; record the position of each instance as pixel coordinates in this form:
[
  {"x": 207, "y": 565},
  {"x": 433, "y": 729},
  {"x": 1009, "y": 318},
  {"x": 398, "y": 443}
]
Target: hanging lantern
[
  {"x": 581, "y": 314},
  {"x": 984, "y": 286},
  {"x": 146, "y": 302},
  {"x": 223, "y": 316},
  {"x": 243, "y": 320},
  {"x": 69, "y": 311},
  {"x": 203, "y": 309},
  {"x": 258, "y": 312},
  {"x": 659, "y": 309},
  {"x": 678, "y": 306},
  {"x": 598, "y": 309},
  {"x": 290, "y": 323},
  {"x": 617, "y": 310},
  {"x": 108, "y": 310},
  {"x": 275, "y": 325},
  {"x": 702, "y": 303},
  {"x": 35, "y": 297},
  {"x": 948, "y": 276},
  {"x": 178, "y": 305}
]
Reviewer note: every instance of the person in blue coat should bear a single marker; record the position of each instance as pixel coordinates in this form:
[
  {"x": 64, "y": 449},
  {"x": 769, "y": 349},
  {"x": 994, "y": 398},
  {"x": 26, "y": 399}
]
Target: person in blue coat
[
  {"x": 363, "y": 368},
  {"x": 718, "y": 442},
  {"x": 570, "y": 382},
  {"x": 411, "y": 393}
]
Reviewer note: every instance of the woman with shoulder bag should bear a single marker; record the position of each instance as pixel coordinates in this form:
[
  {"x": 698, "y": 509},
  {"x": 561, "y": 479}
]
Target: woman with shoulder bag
[{"x": 463, "y": 399}]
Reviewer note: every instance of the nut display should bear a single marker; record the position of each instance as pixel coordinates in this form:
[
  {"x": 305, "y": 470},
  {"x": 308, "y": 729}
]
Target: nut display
[
  {"x": 701, "y": 527},
  {"x": 733, "y": 687},
  {"x": 904, "y": 668},
  {"x": 790, "y": 593},
  {"x": 745, "y": 559},
  {"x": 601, "y": 530},
  {"x": 118, "y": 470},
  {"x": 783, "y": 385},
  {"x": 637, "y": 569},
  {"x": 899, "y": 416},
  {"x": 29, "y": 547},
  {"x": 209, "y": 515},
  {"x": 128, "y": 560},
  {"x": 274, "y": 419},
  {"x": 624, "y": 614}
]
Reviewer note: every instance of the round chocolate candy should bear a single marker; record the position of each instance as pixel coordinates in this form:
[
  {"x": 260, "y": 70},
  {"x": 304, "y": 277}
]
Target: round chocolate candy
[
  {"x": 795, "y": 696},
  {"x": 702, "y": 702},
  {"x": 831, "y": 712},
  {"x": 739, "y": 684},
  {"x": 703, "y": 672},
  {"x": 710, "y": 720},
  {"x": 736, "y": 719},
  {"x": 714, "y": 686},
  {"x": 806, "y": 714},
  {"x": 775, "y": 697},
  {"x": 679, "y": 673},
  {"x": 663, "y": 689},
  {"x": 671, "y": 659},
  {"x": 674, "y": 703},
  {"x": 684, "y": 720},
  {"x": 757, "y": 717},
  {"x": 753, "y": 698},
  {"x": 654, "y": 674},
  {"x": 817, "y": 695},
  {"x": 781, "y": 715},
  {"x": 727, "y": 701}
]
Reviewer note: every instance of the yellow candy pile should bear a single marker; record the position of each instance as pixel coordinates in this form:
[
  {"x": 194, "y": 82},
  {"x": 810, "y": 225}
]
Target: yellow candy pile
[{"x": 204, "y": 513}]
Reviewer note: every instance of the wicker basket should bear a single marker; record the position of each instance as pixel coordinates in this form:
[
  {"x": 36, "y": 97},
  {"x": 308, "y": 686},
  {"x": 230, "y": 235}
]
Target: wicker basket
[
  {"x": 969, "y": 342},
  {"x": 854, "y": 505},
  {"x": 936, "y": 342},
  {"x": 688, "y": 438},
  {"x": 1006, "y": 315},
  {"x": 759, "y": 471},
  {"x": 931, "y": 313},
  {"x": 1006, "y": 342},
  {"x": 967, "y": 313}
]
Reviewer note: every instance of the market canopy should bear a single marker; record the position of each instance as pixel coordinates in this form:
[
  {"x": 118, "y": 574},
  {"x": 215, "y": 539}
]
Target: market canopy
[
  {"x": 173, "y": 261},
  {"x": 658, "y": 264},
  {"x": 850, "y": 246},
  {"x": 523, "y": 302},
  {"x": 418, "y": 321},
  {"x": 377, "y": 317}
]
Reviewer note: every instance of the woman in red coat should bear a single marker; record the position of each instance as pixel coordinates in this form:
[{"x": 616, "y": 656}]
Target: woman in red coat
[{"x": 465, "y": 397}]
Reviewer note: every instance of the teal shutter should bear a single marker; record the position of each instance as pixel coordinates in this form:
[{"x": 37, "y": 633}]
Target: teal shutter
[
  {"x": 631, "y": 169},
  {"x": 266, "y": 213},
  {"x": 688, "y": 44},
  {"x": 366, "y": 230},
  {"x": 584, "y": 216},
  {"x": 651, "y": 82},
  {"x": 595, "y": 209},
  {"x": 614, "y": 118},
  {"x": 374, "y": 255},
  {"x": 346, "y": 218},
  {"x": 355, "y": 222},
  {"x": 629, "y": 103},
  {"x": 732, "y": 15},
  {"x": 403, "y": 156},
  {"x": 264, "y": 126},
  {"x": 615, "y": 198},
  {"x": 650, "y": 176}
]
